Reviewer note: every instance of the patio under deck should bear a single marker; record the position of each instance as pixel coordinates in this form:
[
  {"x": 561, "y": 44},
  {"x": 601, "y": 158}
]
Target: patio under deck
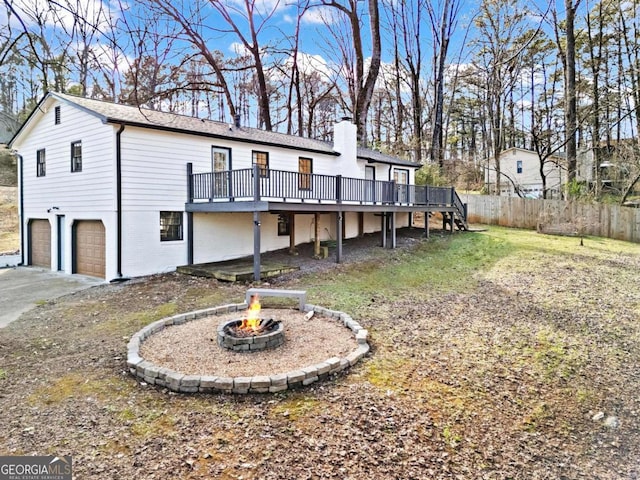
[
  {"x": 240, "y": 270},
  {"x": 255, "y": 190}
]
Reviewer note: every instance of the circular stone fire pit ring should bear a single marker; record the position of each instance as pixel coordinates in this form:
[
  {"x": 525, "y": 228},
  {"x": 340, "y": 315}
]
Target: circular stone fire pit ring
[
  {"x": 251, "y": 343},
  {"x": 153, "y": 374}
]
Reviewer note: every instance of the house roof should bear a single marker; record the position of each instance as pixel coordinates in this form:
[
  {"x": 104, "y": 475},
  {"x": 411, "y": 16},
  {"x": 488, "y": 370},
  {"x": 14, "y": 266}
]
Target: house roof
[
  {"x": 374, "y": 156},
  {"x": 558, "y": 155},
  {"x": 116, "y": 113}
]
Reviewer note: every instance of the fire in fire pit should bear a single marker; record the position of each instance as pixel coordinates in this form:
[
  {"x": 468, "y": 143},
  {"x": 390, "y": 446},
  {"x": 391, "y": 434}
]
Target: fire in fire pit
[
  {"x": 252, "y": 332},
  {"x": 253, "y": 324}
]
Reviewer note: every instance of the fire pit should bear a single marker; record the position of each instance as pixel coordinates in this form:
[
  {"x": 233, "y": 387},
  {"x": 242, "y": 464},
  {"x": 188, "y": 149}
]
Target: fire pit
[
  {"x": 252, "y": 333},
  {"x": 162, "y": 354}
]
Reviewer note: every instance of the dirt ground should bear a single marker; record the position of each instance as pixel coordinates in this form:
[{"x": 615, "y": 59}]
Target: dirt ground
[{"x": 532, "y": 372}]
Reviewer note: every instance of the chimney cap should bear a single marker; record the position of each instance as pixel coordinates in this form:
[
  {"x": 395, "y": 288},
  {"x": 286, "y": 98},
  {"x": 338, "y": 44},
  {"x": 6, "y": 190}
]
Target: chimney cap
[{"x": 345, "y": 118}]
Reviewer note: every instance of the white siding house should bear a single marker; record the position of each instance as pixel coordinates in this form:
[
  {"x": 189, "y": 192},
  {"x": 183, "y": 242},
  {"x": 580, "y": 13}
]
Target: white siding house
[
  {"x": 520, "y": 174},
  {"x": 116, "y": 191}
]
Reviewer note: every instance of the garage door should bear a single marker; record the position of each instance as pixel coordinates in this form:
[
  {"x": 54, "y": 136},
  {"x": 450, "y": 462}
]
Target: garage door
[
  {"x": 40, "y": 243},
  {"x": 89, "y": 248}
]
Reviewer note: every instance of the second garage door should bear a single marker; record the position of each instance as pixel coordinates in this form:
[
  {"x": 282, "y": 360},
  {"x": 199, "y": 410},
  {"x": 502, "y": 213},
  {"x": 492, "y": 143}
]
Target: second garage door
[{"x": 89, "y": 248}]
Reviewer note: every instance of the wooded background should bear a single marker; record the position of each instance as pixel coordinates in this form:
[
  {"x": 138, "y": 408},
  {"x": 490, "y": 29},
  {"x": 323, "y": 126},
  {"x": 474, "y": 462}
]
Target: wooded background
[{"x": 446, "y": 83}]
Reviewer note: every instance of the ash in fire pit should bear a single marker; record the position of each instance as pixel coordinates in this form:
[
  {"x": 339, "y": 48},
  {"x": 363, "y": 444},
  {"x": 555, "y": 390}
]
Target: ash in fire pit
[{"x": 251, "y": 333}]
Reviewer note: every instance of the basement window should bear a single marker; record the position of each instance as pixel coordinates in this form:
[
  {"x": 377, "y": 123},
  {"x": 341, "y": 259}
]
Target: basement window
[
  {"x": 170, "y": 226},
  {"x": 284, "y": 226}
]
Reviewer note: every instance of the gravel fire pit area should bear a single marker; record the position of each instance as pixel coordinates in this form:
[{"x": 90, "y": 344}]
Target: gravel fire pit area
[{"x": 183, "y": 354}]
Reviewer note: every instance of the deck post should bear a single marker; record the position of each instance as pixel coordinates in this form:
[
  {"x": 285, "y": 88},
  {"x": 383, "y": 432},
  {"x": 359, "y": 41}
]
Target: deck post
[
  {"x": 339, "y": 235},
  {"x": 292, "y": 233},
  {"x": 256, "y": 224},
  {"x": 316, "y": 235},
  {"x": 453, "y": 205},
  {"x": 393, "y": 229},
  {"x": 426, "y": 224},
  {"x": 383, "y": 229}
]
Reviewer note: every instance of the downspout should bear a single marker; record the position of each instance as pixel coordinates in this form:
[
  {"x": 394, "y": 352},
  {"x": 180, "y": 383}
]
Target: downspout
[
  {"x": 119, "y": 198},
  {"x": 21, "y": 206}
]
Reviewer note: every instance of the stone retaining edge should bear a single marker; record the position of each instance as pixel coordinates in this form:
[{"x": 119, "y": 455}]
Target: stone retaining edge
[{"x": 178, "y": 382}]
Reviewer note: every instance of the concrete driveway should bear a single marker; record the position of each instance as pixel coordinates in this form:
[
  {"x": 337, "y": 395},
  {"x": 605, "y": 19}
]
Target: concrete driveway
[{"x": 22, "y": 288}]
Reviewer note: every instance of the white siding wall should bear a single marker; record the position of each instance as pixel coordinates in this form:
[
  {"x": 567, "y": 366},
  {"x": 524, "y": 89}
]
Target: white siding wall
[
  {"x": 154, "y": 179},
  {"x": 85, "y": 195},
  {"x": 225, "y": 236}
]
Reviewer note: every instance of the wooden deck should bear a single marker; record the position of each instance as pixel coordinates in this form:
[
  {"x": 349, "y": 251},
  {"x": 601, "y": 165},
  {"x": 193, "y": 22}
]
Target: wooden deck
[{"x": 254, "y": 190}]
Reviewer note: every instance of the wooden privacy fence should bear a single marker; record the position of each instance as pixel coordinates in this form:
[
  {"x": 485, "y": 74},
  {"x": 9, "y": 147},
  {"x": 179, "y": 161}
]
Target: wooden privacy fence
[{"x": 555, "y": 216}]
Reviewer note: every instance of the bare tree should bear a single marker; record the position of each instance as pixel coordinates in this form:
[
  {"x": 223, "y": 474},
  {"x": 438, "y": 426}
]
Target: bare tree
[
  {"x": 361, "y": 86},
  {"x": 567, "y": 50},
  {"x": 500, "y": 24},
  {"x": 443, "y": 19}
]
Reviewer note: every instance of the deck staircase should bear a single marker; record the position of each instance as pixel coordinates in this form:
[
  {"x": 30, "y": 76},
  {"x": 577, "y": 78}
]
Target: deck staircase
[{"x": 458, "y": 216}]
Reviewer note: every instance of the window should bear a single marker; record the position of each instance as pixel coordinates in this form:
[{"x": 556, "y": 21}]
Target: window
[
  {"x": 519, "y": 166},
  {"x": 305, "y": 169},
  {"x": 56, "y": 113},
  {"x": 76, "y": 156},
  {"x": 170, "y": 226},
  {"x": 284, "y": 226},
  {"x": 41, "y": 165},
  {"x": 262, "y": 160}
]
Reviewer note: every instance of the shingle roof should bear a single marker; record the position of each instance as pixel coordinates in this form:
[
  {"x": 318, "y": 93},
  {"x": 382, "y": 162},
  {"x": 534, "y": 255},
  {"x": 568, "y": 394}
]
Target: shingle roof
[
  {"x": 142, "y": 117},
  {"x": 375, "y": 156}
]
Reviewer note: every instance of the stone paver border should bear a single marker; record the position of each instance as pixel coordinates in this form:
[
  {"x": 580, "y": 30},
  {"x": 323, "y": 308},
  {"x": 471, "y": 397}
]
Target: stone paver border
[{"x": 179, "y": 382}]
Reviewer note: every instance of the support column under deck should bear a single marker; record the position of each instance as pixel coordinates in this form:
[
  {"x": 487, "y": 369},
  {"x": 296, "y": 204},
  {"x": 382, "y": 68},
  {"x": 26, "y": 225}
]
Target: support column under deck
[
  {"x": 393, "y": 230},
  {"x": 316, "y": 235},
  {"x": 426, "y": 224},
  {"x": 292, "y": 233},
  {"x": 339, "y": 235},
  {"x": 256, "y": 246},
  {"x": 383, "y": 229}
]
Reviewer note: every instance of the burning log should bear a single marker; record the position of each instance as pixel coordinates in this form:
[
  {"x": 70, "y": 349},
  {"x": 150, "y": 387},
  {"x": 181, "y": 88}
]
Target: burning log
[{"x": 260, "y": 327}]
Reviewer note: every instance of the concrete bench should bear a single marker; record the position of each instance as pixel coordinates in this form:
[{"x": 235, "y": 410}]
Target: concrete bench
[{"x": 301, "y": 295}]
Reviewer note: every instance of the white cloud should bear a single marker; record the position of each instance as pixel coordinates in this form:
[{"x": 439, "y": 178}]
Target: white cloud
[
  {"x": 308, "y": 63},
  {"x": 62, "y": 14},
  {"x": 319, "y": 16},
  {"x": 262, "y": 7},
  {"x": 238, "y": 49}
]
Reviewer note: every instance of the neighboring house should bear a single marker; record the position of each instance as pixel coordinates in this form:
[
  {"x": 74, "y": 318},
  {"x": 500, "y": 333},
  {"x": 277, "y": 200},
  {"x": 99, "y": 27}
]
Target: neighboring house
[
  {"x": 612, "y": 171},
  {"x": 520, "y": 174},
  {"x": 116, "y": 191}
]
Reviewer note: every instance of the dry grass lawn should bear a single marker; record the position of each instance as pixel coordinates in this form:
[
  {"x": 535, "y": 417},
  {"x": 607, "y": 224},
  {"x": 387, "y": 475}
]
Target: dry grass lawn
[{"x": 497, "y": 355}]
